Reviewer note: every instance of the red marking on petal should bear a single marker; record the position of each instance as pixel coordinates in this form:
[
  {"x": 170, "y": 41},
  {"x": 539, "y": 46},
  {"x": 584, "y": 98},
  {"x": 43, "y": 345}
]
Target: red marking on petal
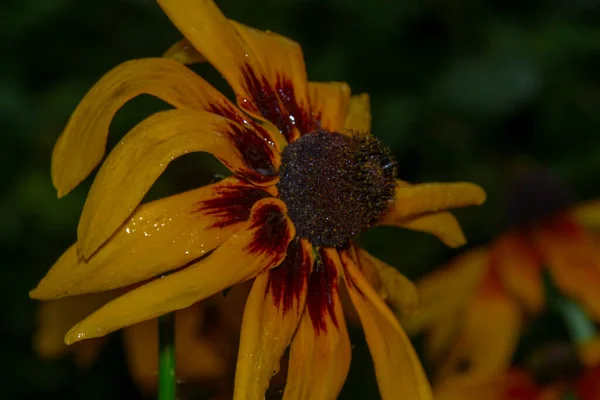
[
  {"x": 277, "y": 105},
  {"x": 272, "y": 235},
  {"x": 322, "y": 284},
  {"x": 289, "y": 280},
  {"x": 232, "y": 204},
  {"x": 255, "y": 150}
]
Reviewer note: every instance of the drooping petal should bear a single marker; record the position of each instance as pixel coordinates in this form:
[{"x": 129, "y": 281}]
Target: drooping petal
[
  {"x": 82, "y": 144},
  {"x": 320, "y": 351},
  {"x": 259, "y": 246},
  {"x": 56, "y": 317},
  {"x": 588, "y": 214},
  {"x": 390, "y": 285},
  {"x": 573, "y": 260},
  {"x": 271, "y": 316},
  {"x": 358, "y": 118},
  {"x": 139, "y": 159},
  {"x": 488, "y": 335},
  {"x": 442, "y": 224},
  {"x": 397, "y": 368},
  {"x": 266, "y": 70},
  {"x": 197, "y": 357},
  {"x": 183, "y": 52},
  {"x": 160, "y": 236},
  {"x": 520, "y": 268},
  {"x": 329, "y": 104},
  {"x": 448, "y": 289},
  {"x": 413, "y": 200}
]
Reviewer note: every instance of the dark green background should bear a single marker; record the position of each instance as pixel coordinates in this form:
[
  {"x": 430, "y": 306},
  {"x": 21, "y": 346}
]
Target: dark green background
[{"x": 461, "y": 90}]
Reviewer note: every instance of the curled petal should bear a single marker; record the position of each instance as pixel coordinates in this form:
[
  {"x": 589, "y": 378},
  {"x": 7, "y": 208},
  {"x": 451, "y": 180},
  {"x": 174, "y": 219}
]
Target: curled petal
[
  {"x": 260, "y": 246},
  {"x": 184, "y": 227},
  {"x": 431, "y": 197},
  {"x": 397, "y": 368},
  {"x": 139, "y": 159},
  {"x": 196, "y": 356},
  {"x": 391, "y": 286},
  {"x": 358, "y": 118},
  {"x": 320, "y": 351},
  {"x": 442, "y": 224},
  {"x": 520, "y": 268},
  {"x": 185, "y": 53},
  {"x": 271, "y": 316},
  {"x": 329, "y": 104},
  {"x": 82, "y": 144},
  {"x": 573, "y": 259}
]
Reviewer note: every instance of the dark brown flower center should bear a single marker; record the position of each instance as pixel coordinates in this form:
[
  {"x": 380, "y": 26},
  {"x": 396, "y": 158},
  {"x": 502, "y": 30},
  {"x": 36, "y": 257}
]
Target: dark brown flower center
[{"x": 336, "y": 185}]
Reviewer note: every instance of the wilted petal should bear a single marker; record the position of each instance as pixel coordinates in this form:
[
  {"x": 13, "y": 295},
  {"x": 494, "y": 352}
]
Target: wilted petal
[
  {"x": 82, "y": 144},
  {"x": 259, "y": 246},
  {"x": 358, "y": 118},
  {"x": 397, "y": 368},
  {"x": 271, "y": 316},
  {"x": 160, "y": 236},
  {"x": 139, "y": 159},
  {"x": 320, "y": 352},
  {"x": 329, "y": 104}
]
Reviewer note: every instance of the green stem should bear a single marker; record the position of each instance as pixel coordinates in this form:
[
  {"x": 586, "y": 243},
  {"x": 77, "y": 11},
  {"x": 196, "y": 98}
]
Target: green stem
[{"x": 166, "y": 358}]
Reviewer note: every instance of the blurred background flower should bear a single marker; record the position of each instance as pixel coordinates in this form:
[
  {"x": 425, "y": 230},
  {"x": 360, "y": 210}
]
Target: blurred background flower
[{"x": 459, "y": 90}]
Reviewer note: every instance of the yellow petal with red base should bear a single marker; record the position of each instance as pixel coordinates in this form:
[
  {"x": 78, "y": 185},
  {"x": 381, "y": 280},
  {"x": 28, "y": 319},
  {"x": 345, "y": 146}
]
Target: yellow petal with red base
[
  {"x": 573, "y": 259},
  {"x": 54, "y": 318},
  {"x": 320, "y": 351},
  {"x": 329, "y": 104},
  {"x": 443, "y": 225},
  {"x": 422, "y": 198},
  {"x": 520, "y": 268},
  {"x": 271, "y": 316},
  {"x": 139, "y": 159},
  {"x": 184, "y": 227},
  {"x": 448, "y": 289},
  {"x": 358, "y": 118},
  {"x": 397, "y": 368},
  {"x": 390, "y": 285},
  {"x": 259, "y": 246},
  {"x": 488, "y": 335},
  {"x": 82, "y": 144},
  {"x": 196, "y": 356},
  {"x": 183, "y": 52}
]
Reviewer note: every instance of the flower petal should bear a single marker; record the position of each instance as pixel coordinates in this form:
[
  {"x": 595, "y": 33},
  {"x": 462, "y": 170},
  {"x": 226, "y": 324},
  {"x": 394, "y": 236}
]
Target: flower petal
[
  {"x": 448, "y": 289},
  {"x": 358, "y": 118},
  {"x": 320, "y": 351},
  {"x": 573, "y": 260},
  {"x": 329, "y": 104},
  {"x": 520, "y": 268},
  {"x": 82, "y": 144},
  {"x": 160, "y": 236},
  {"x": 397, "y": 368},
  {"x": 196, "y": 356},
  {"x": 147, "y": 150},
  {"x": 271, "y": 316},
  {"x": 266, "y": 70},
  {"x": 262, "y": 245},
  {"x": 431, "y": 197},
  {"x": 511, "y": 385},
  {"x": 56, "y": 317},
  {"x": 588, "y": 214},
  {"x": 489, "y": 334},
  {"x": 442, "y": 224},
  {"x": 390, "y": 285},
  {"x": 184, "y": 53}
]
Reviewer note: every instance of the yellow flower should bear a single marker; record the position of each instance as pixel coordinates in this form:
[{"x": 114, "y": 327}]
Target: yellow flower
[
  {"x": 307, "y": 178},
  {"x": 472, "y": 310}
]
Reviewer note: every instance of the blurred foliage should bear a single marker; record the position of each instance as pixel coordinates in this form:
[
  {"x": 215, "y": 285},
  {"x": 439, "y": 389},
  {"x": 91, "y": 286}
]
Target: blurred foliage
[{"x": 461, "y": 90}]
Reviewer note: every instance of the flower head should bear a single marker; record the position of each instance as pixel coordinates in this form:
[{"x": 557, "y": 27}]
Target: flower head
[{"x": 307, "y": 177}]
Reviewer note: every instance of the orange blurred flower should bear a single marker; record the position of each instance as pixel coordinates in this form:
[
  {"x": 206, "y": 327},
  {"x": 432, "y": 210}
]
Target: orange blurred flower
[
  {"x": 473, "y": 309},
  {"x": 307, "y": 177}
]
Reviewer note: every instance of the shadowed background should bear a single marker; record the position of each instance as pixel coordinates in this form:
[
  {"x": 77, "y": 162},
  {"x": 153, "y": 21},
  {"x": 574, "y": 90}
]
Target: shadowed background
[{"x": 460, "y": 90}]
